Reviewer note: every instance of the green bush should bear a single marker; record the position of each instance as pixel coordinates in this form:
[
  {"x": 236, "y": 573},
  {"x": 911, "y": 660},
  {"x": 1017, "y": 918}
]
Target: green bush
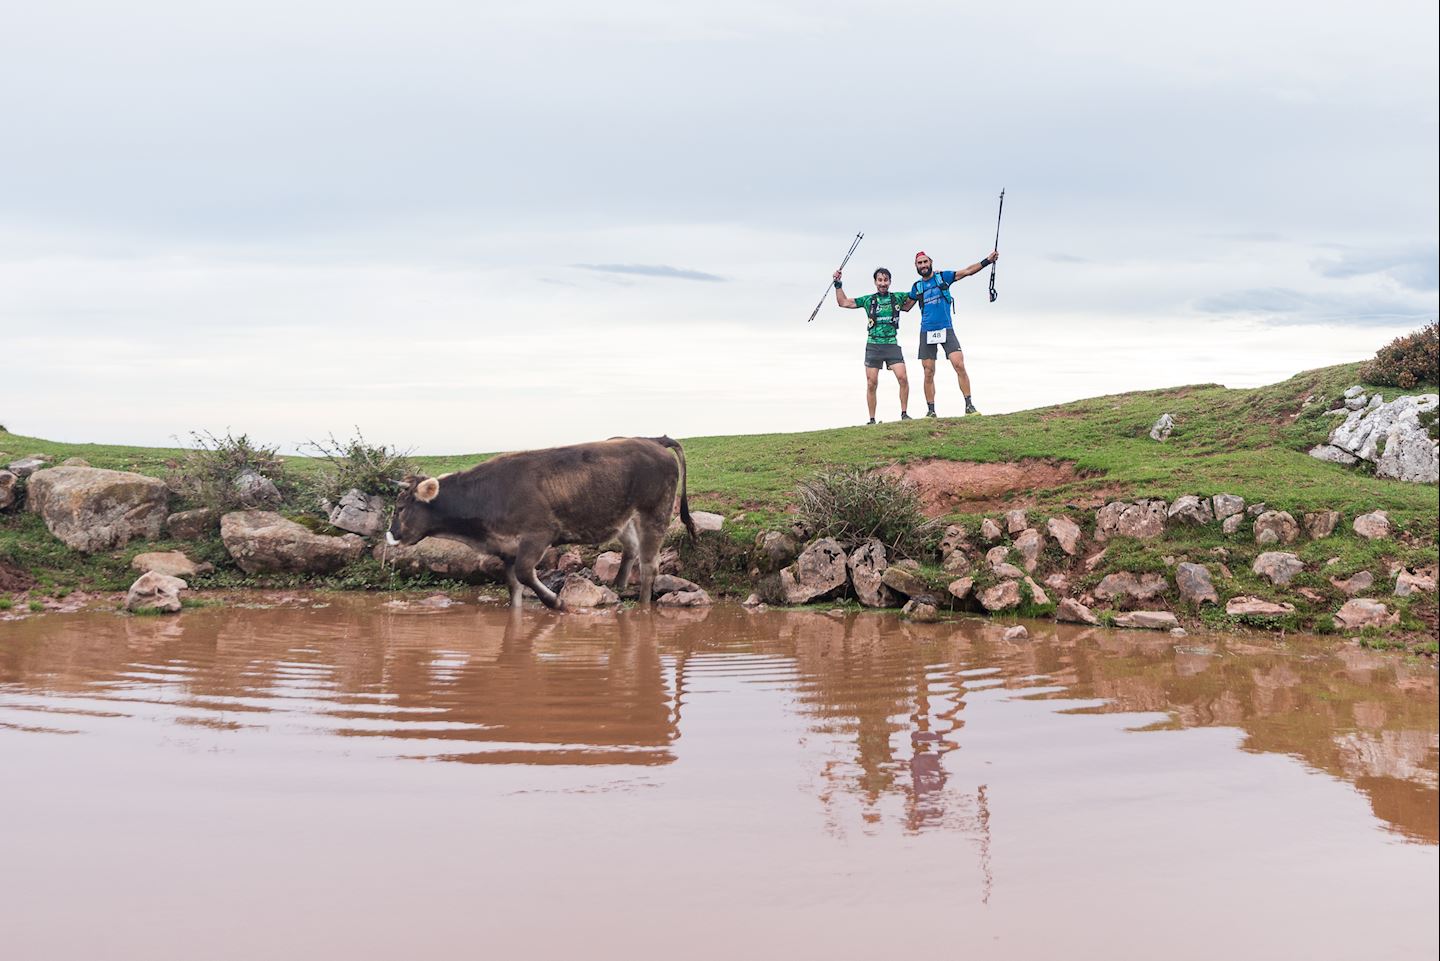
[
  {"x": 854, "y": 505},
  {"x": 1406, "y": 361},
  {"x": 355, "y": 464},
  {"x": 206, "y": 475}
]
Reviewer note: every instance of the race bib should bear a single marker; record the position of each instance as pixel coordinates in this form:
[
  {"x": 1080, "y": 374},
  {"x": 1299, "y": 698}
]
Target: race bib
[{"x": 936, "y": 336}]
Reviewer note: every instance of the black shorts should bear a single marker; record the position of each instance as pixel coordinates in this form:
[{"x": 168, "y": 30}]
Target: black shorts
[
  {"x": 928, "y": 351},
  {"x": 883, "y": 355}
]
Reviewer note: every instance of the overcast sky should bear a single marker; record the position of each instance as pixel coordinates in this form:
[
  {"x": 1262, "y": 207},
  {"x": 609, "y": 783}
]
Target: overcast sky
[{"x": 461, "y": 227}]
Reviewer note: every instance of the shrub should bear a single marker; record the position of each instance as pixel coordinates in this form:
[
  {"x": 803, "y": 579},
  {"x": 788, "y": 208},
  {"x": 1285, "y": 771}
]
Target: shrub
[
  {"x": 357, "y": 465},
  {"x": 853, "y": 505},
  {"x": 1406, "y": 361},
  {"x": 206, "y": 475}
]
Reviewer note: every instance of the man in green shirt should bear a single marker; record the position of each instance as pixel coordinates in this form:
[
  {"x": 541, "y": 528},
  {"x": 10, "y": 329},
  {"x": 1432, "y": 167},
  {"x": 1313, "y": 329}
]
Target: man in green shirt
[{"x": 882, "y": 349}]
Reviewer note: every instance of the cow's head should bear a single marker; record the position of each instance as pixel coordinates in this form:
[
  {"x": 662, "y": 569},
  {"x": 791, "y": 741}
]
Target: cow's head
[{"x": 414, "y": 515}]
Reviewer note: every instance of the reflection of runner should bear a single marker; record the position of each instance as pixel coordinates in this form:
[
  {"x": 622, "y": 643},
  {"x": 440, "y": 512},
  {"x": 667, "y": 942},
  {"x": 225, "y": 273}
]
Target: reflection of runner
[
  {"x": 937, "y": 308},
  {"x": 881, "y": 346}
]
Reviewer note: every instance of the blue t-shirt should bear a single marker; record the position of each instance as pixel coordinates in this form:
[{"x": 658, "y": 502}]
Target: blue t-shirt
[{"x": 934, "y": 307}]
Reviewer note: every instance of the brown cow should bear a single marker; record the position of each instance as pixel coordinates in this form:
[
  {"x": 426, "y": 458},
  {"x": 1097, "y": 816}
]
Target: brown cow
[{"x": 517, "y": 505}]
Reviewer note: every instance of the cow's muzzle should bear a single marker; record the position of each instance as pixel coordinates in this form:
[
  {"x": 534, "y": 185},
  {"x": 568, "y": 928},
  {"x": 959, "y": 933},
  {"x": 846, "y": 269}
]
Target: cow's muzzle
[{"x": 390, "y": 539}]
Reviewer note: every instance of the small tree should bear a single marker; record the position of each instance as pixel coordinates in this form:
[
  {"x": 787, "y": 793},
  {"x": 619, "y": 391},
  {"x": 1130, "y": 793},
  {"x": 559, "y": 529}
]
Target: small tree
[
  {"x": 358, "y": 465},
  {"x": 206, "y": 474},
  {"x": 1406, "y": 361}
]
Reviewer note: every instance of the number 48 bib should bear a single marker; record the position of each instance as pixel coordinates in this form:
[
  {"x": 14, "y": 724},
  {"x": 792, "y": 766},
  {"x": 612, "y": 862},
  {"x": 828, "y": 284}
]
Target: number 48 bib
[{"x": 936, "y": 336}]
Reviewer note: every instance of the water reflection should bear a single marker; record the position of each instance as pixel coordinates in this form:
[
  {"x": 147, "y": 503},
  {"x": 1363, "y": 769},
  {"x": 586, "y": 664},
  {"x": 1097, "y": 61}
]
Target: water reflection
[{"x": 883, "y": 701}]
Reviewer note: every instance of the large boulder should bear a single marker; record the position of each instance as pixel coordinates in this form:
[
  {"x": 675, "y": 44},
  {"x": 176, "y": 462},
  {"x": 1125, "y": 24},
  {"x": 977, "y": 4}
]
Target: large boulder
[
  {"x": 1194, "y": 583},
  {"x": 1227, "y": 505},
  {"x": 26, "y": 466},
  {"x": 1191, "y": 510},
  {"x": 263, "y": 542},
  {"x": 1361, "y": 612},
  {"x": 607, "y": 566},
  {"x": 904, "y": 582},
  {"x": 1000, "y": 596},
  {"x": 578, "y": 591},
  {"x": 1320, "y": 524},
  {"x": 1254, "y": 606},
  {"x": 98, "y": 510},
  {"x": 153, "y": 591},
  {"x": 9, "y": 489},
  {"x": 1144, "y": 520},
  {"x": 359, "y": 513},
  {"x": 1066, "y": 533},
  {"x": 255, "y": 490},
  {"x": 1357, "y": 583},
  {"x": 1279, "y": 567},
  {"x": 1276, "y": 527},
  {"x": 777, "y": 549},
  {"x": 1373, "y": 526},
  {"x": 1125, "y": 584},
  {"x": 169, "y": 563},
  {"x": 192, "y": 525},
  {"x": 1030, "y": 545},
  {"x": 921, "y": 609},
  {"x": 451, "y": 559},
  {"x": 818, "y": 573},
  {"x": 1407, "y": 583},
  {"x": 1073, "y": 612},
  {"x": 1390, "y": 436},
  {"x": 990, "y": 531},
  {"x": 695, "y": 598},
  {"x": 1162, "y": 428},
  {"x": 868, "y": 566},
  {"x": 1015, "y": 521},
  {"x": 1148, "y": 620},
  {"x": 960, "y": 588}
]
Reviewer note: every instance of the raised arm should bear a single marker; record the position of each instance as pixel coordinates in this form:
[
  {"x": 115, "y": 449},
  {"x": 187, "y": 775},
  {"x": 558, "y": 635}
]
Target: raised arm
[
  {"x": 841, "y": 297},
  {"x": 976, "y": 268}
]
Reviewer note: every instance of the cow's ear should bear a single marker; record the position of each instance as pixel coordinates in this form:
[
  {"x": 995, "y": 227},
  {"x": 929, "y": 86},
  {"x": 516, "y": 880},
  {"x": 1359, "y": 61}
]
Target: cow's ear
[{"x": 427, "y": 490}]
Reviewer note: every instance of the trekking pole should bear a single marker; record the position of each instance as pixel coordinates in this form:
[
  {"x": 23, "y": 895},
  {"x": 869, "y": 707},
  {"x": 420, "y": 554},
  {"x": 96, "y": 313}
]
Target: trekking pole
[
  {"x": 993, "y": 295},
  {"x": 853, "y": 244}
]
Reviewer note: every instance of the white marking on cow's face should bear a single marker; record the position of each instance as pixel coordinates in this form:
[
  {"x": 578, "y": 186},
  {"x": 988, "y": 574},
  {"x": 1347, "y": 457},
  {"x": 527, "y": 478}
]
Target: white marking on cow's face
[
  {"x": 390, "y": 539},
  {"x": 427, "y": 490}
]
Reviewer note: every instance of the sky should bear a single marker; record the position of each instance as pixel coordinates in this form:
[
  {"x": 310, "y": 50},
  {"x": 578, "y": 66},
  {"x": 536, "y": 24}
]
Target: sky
[{"x": 463, "y": 227}]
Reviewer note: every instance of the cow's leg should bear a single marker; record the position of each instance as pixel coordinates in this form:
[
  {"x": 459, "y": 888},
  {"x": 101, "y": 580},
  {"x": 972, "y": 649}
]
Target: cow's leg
[
  {"x": 526, "y": 557},
  {"x": 629, "y": 539},
  {"x": 652, "y": 532},
  {"x": 517, "y": 592}
]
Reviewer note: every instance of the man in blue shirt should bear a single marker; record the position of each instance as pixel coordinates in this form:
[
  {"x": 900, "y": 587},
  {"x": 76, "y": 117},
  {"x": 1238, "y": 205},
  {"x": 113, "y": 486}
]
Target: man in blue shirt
[{"x": 937, "y": 307}]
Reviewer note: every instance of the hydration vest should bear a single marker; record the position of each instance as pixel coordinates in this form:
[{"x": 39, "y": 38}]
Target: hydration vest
[
  {"x": 872, "y": 310},
  {"x": 944, "y": 290}
]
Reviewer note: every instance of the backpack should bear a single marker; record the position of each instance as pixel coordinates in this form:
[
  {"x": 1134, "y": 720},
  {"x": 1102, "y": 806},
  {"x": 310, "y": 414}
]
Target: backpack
[
  {"x": 872, "y": 310},
  {"x": 944, "y": 290}
]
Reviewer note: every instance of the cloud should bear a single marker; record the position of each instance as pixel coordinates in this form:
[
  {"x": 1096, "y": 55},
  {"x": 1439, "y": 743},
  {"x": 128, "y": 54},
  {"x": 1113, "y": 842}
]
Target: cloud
[
  {"x": 1287, "y": 307},
  {"x": 1414, "y": 267},
  {"x": 654, "y": 270}
]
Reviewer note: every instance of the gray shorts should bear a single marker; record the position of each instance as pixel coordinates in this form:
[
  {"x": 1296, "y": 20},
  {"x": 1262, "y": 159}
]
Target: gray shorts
[
  {"x": 928, "y": 351},
  {"x": 883, "y": 355}
]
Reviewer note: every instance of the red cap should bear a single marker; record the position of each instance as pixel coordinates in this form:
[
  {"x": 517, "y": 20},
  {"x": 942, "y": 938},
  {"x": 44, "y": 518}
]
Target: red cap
[{"x": 920, "y": 254}]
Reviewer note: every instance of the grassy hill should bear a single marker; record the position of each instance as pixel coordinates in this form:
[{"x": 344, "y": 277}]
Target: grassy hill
[{"x": 1247, "y": 442}]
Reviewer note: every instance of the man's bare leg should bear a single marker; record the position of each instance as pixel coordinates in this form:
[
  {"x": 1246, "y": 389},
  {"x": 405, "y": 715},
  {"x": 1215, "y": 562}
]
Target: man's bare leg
[
  {"x": 957, "y": 360},
  {"x": 872, "y": 380},
  {"x": 929, "y": 366},
  {"x": 903, "y": 379}
]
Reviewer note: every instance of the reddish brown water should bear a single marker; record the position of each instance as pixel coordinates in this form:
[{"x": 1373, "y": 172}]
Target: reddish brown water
[{"x": 335, "y": 778}]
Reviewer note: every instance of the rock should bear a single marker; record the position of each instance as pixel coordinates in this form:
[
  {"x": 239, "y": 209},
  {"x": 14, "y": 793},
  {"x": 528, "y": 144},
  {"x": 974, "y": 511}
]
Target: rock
[
  {"x": 1357, "y": 583},
  {"x": 26, "y": 466},
  {"x": 1015, "y": 521},
  {"x": 1144, "y": 520},
  {"x": 1066, "y": 533},
  {"x": 1333, "y": 455},
  {"x": 904, "y": 582},
  {"x": 921, "y": 609},
  {"x": 1163, "y": 427},
  {"x": 1321, "y": 524},
  {"x": 97, "y": 510},
  {"x": 1276, "y": 527},
  {"x": 1029, "y": 545},
  {"x": 1407, "y": 583},
  {"x": 255, "y": 490},
  {"x": 955, "y": 539},
  {"x": 1058, "y": 583},
  {"x": 1233, "y": 523},
  {"x": 607, "y": 567},
  {"x": 169, "y": 563},
  {"x": 1093, "y": 561},
  {"x": 1255, "y": 510},
  {"x": 818, "y": 573},
  {"x": 1037, "y": 593},
  {"x": 1148, "y": 620},
  {"x": 1193, "y": 582},
  {"x": 1226, "y": 505},
  {"x": 752, "y": 600},
  {"x": 668, "y": 562},
  {"x": 451, "y": 559},
  {"x": 1225, "y": 573},
  {"x": 1125, "y": 584},
  {"x": 1314, "y": 597},
  {"x": 155, "y": 591},
  {"x": 776, "y": 550},
  {"x": 955, "y": 562},
  {"x": 578, "y": 591},
  {"x": 961, "y": 588},
  {"x": 570, "y": 562},
  {"x": 695, "y": 598},
  {"x": 1279, "y": 567},
  {"x": 1001, "y": 596},
  {"x": 1237, "y": 606},
  {"x": 193, "y": 525},
  {"x": 9, "y": 489},
  {"x": 1073, "y": 612},
  {"x": 1361, "y": 612},
  {"x": 990, "y": 531},
  {"x": 74, "y": 462},
  {"x": 1391, "y": 437},
  {"x": 1355, "y": 391},
  {"x": 1191, "y": 510},
  {"x": 1179, "y": 632},
  {"x": 1007, "y": 570},
  {"x": 1016, "y": 633},
  {"x": 262, "y": 542},
  {"x": 1373, "y": 526},
  {"x": 868, "y": 565},
  {"x": 706, "y": 522},
  {"x": 359, "y": 513},
  {"x": 669, "y": 583},
  {"x": 908, "y": 563}
]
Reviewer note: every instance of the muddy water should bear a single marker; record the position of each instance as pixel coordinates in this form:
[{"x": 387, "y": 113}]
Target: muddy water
[{"x": 337, "y": 778}]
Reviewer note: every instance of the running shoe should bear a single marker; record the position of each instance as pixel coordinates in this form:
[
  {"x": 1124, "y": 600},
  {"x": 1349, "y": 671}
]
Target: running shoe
[
  {"x": 930, "y": 413},
  {"x": 905, "y": 416}
]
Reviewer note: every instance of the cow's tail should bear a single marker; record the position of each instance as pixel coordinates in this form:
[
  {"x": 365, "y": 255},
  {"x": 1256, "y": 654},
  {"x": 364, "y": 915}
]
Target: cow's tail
[{"x": 684, "y": 500}]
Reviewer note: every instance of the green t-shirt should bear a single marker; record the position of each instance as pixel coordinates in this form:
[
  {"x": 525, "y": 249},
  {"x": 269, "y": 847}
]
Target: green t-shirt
[{"x": 884, "y": 320}]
